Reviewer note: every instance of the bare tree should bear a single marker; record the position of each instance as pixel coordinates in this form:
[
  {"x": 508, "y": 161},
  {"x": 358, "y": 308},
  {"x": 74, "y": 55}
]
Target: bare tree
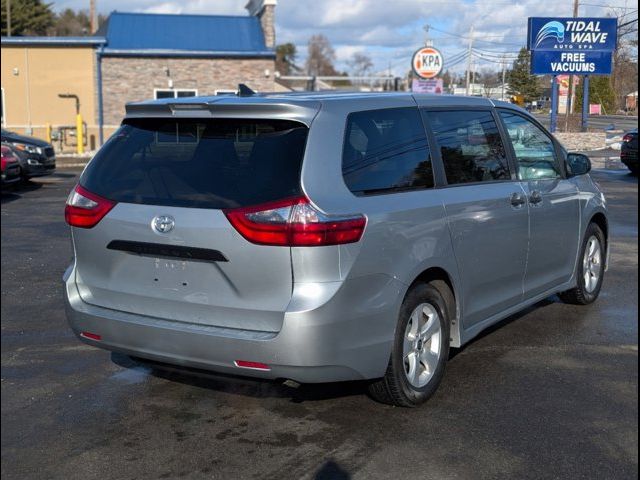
[
  {"x": 624, "y": 78},
  {"x": 320, "y": 56},
  {"x": 360, "y": 64},
  {"x": 491, "y": 80}
]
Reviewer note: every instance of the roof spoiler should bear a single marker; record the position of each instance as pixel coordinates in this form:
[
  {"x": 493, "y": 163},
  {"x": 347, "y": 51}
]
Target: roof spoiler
[{"x": 257, "y": 107}]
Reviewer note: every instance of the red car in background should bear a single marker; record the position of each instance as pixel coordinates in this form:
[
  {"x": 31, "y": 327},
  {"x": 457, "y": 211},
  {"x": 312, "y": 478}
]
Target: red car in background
[{"x": 10, "y": 166}]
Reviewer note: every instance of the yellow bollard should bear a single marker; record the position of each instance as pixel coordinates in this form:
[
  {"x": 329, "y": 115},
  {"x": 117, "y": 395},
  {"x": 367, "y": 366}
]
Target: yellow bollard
[
  {"x": 48, "y": 132},
  {"x": 79, "y": 135}
]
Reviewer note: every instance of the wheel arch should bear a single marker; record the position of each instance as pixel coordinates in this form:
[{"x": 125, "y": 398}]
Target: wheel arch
[
  {"x": 600, "y": 219},
  {"x": 443, "y": 281}
]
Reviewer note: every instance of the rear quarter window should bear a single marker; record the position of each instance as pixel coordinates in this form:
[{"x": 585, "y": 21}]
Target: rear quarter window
[
  {"x": 386, "y": 151},
  {"x": 217, "y": 163}
]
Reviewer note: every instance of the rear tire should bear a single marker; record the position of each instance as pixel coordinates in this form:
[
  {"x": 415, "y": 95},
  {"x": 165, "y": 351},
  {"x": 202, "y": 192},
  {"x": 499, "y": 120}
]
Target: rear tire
[
  {"x": 590, "y": 271},
  {"x": 420, "y": 348}
]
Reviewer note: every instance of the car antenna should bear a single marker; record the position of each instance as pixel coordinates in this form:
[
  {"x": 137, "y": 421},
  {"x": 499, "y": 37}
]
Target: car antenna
[{"x": 244, "y": 91}]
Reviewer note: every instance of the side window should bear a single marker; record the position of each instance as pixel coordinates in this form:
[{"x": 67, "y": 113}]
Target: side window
[
  {"x": 535, "y": 152},
  {"x": 386, "y": 150},
  {"x": 470, "y": 145}
]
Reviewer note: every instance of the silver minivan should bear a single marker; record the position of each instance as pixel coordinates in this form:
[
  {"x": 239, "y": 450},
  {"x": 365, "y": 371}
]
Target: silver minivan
[{"x": 324, "y": 237}]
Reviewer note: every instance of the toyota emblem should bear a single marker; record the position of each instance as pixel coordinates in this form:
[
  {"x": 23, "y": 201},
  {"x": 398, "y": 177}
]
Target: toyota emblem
[{"x": 163, "y": 223}]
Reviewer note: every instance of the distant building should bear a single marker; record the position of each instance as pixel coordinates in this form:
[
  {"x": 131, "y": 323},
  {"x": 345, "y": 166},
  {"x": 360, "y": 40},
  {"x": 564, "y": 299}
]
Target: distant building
[
  {"x": 133, "y": 57},
  {"x": 35, "y": 70},
  {"x": 631, "y": 101}
]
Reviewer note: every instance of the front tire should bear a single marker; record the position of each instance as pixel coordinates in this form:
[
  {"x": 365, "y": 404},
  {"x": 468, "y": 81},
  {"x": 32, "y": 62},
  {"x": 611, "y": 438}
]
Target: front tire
[
  {"x": 590, "y": 269},
  {"x": 420, "y": 348}
]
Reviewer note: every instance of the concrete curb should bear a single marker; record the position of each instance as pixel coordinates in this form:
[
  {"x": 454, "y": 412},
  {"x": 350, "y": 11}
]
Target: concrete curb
[{"x": 70, "y": 165}]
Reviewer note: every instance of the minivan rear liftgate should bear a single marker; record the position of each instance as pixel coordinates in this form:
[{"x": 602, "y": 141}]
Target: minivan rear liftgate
[
  {"x": 161, "y": 244},
  {"x": 187, "y": 219}
]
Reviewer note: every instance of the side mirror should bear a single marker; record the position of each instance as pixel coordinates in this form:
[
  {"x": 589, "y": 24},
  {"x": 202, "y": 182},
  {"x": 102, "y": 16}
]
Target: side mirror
[{"x": 578, "y": 164}]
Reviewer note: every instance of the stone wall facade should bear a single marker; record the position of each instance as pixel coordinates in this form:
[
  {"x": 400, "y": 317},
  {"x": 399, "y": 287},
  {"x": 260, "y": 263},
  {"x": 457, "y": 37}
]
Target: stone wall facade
[{"x": 131, "y": 79}]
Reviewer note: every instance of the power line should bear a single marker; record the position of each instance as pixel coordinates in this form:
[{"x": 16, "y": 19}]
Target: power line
[
  {"x": 464, "y": 37},
  {"x": 605, "y": 6}
]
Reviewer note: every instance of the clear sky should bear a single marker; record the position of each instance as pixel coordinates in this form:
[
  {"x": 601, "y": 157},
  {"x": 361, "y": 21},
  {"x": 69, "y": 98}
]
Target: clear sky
[{"x": 390, "y": 30}]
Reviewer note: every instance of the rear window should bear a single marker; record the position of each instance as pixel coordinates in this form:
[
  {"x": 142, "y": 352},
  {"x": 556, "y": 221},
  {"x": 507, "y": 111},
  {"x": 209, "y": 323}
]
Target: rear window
[
  {"x": 216, "y": 163},
  {"x": 386, "y": 151}
]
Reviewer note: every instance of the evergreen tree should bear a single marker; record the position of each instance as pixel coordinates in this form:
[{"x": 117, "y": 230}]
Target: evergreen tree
[
  {"x": 28, "y": 17},
  {"x": 521, "y": 81},
  {"x": 600, "y": 91}
]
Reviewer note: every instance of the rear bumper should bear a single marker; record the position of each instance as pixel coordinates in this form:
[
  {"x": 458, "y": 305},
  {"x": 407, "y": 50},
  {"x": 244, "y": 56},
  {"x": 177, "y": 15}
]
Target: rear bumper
[
  {"x": 11, "y": 175},
  {"x": 342, "y": 332},
  {"x": 629, "y": 157}
]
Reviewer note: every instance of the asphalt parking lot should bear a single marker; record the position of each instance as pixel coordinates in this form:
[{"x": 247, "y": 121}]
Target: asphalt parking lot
[{"x": 549, "y": 393}]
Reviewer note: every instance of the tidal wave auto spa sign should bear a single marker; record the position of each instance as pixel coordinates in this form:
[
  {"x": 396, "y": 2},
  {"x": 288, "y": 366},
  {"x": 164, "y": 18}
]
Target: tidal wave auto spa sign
[{"x": 582, "y": 46}]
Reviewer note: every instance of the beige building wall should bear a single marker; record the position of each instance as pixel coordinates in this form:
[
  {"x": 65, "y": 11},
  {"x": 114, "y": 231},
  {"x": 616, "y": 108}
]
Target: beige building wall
[
  {"x": 32, "y": 78},
  {"x": 127, "y": 79}
]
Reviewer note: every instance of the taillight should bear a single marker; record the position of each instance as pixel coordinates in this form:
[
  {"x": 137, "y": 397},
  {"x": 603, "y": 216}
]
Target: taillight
[
  {"x": 627, "y": 138},
  {"x": 85, "y": 209},
  {"x": 294, "y": 222}
]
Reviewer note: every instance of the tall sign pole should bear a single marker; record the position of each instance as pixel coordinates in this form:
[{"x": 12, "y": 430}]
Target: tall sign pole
[
  {"x": 554, "y": 104},
  {"x": 570, "y": 93},
  {"x": 585, "y": 104}
]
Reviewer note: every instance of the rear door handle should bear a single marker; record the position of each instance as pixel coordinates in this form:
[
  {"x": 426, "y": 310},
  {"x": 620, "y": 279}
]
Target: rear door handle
[
  {"x": 517, "y": 199},
  {"x": 535, "y": 198}
]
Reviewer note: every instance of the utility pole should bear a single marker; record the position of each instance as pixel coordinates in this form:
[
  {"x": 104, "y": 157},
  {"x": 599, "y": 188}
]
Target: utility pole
[
  {"x": 8, "y": 18},
  {"x": 504, "y": 74},
  {"x": 571, "y": 92},
  {"x": 92, "y": 17},
  {"x": 473, "y": 74},
  {"x": 469, "y": 55}
]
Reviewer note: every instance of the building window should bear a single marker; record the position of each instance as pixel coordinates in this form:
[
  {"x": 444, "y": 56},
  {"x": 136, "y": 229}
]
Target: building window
[{"x": 173, "y": 93}]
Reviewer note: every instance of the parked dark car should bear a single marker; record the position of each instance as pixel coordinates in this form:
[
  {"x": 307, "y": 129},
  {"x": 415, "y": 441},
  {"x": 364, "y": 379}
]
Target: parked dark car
[
  {"x": 629, "y": 151},
  {"x": 37, "y": 157},
  {"x": 10, "y": 166}
]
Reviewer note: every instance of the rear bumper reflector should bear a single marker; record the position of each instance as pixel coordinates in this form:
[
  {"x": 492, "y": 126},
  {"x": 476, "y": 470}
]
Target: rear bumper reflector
[
  {"x": 252, "y": 365},
  {"x": 91, "y": 336}
]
